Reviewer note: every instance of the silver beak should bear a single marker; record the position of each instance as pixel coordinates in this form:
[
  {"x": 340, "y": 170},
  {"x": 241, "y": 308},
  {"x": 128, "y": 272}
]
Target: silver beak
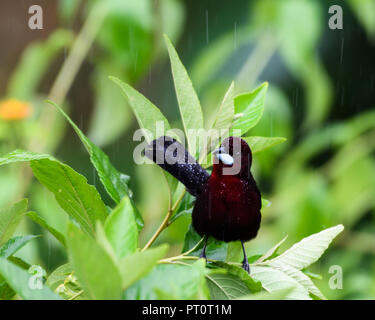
[{"x": 223, "y": 157}]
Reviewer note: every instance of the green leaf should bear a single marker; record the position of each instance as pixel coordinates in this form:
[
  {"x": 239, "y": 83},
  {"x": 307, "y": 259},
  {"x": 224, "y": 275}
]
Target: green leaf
[
  {"x": 135, "y": 266},
  {"x": 287, "y": 266},
  {"x": 22, "y": 156},
  {"x": 271, "y": 251},
  {"x": 115, "y": 183},
  {"x": 276, "y": 295},
  {"x": 14, "y": 244},
  {"x": 185, "y": 207},
  {"x": 121, "y": 229},
  {"x": 59, "y": 275},
  {"x": 6, "y": 292},
  {"x": 101, "y": 238},
  {"x": 301, "y": 278},
  {"x": 224, "y": 117},
  {"x": 63, "y": 281},
  {"x": 249, "y": 108},
  {"x": 252, "y": 285},
  {"x": 225, "y": 286},
  {"x": 39, "y": 220},
  {"x": 258, "y": 144},
  {"x": 19, "y": 280},
  {"x": 234, "y": 252},
  {"x": 274, "y": 280},
  {"x": 10, "y": 218},
  {"x": 308, "y": 250},
  {"x": 79, "y": 199},
  {"x": 146, "y": 113},
  {"x": 173, "y": 280},
  {"x": 94, "y": 268},
  {"x": 190, "y": 108}
]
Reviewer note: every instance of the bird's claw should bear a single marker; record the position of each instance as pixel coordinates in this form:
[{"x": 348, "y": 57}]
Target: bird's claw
[
  {"x": 246, "y": 266},
  {"x": 203, "y": 255}
]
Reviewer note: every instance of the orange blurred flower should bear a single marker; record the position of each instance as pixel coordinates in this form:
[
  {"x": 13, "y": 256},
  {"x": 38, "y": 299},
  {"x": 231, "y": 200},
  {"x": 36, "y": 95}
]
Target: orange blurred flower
[{"x": 13, "y": 109}]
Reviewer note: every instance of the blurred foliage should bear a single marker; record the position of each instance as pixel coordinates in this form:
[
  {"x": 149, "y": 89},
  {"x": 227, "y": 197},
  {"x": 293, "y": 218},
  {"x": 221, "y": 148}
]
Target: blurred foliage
[{"x": 321, "y": 176}]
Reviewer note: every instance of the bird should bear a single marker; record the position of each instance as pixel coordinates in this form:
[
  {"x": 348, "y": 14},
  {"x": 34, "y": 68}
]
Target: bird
[{"x": 228, "y": 201}]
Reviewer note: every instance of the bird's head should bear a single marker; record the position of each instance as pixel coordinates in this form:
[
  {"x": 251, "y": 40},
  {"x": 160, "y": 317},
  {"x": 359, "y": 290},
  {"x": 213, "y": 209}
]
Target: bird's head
[{"x": 233, "y": 158}]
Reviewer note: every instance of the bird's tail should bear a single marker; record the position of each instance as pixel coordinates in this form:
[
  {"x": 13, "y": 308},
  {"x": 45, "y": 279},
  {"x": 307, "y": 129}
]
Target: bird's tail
[{"x": 172, "y": 156}]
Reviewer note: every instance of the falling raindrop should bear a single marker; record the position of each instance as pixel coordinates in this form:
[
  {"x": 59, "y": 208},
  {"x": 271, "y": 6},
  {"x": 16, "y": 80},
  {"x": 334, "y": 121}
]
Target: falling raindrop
[
  {"x": 235, "y": 34},
  {"x": 342, "y": 49},
  {"x": 207, "y": 39}
]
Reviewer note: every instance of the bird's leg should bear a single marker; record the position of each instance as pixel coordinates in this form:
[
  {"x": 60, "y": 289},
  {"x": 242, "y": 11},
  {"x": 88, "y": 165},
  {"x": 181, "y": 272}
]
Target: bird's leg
[
  {"x": 245, "y": 262},
  {"x": 203, "y": 254}
]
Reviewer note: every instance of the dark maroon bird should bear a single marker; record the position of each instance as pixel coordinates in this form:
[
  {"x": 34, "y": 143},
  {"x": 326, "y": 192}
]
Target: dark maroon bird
[{"x": 228, "y": 201}]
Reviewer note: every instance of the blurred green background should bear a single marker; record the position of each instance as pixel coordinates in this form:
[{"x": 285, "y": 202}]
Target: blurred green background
[{"x": 321, "y": 98}]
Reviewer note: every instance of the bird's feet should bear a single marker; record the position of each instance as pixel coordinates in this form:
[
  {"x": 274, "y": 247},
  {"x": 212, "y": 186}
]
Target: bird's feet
[
  {"x": 246, "y": 265},
  {"x": 203, "y": 255}
]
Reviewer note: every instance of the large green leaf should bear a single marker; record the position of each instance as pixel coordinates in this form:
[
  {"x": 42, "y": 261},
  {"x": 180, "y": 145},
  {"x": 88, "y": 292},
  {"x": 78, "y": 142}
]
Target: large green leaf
[
  {"x": 121, "y": 229},
  {"x": 19, "y": 280},
  {"x": 10, "y": 218},
  {"x": 79, "y": 199},
  {"x": 147, "y": 114},
  {"x": 113, "y": 181},
  {"x": 249, "y": 108},
  {"x": 39, "y": 220},
  {"x": 137, "y": 265},
  {"x": 301, "y": 278},
  {"x": 287, "y": 266},
  {"x": 274, "y": 280},
  {"x": 14, "y": 244},
  {"x": 225, "y": 114},
  {"x": 308, "y": 250},
  {"x": 94, "y": 268},
  {"x": 172, "y": 280},
  {"x": 190, "y": 108},
  {"x": 258, "y": 144},
  {"x": 226, "y": 286}
]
